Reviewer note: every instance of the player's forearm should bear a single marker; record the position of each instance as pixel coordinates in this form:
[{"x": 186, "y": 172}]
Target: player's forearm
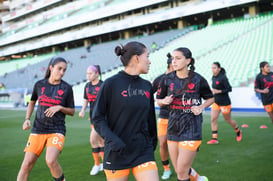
[
  {"x": 30, "y": 109},
  {"x": 84, "y": 106},
  {"x": 68, "y": 110},
  {"x": 207, "y": 103},
  {"x": 259, "y": 90}
]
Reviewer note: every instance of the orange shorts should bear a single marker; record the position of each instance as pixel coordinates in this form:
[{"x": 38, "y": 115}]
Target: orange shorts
[
  {"x": 268, "y": 108},
  {"x": 162, "y": 126},
  {"x": 113, "y": 174},
  {"x": 37, "y": 142},
  {"x": 188, "y": 145},
  {"x": 224, "y": 109}
]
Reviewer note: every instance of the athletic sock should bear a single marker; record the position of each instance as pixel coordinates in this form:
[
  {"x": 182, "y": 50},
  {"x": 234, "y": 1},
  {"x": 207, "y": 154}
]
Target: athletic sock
[
  {"x": 166, "y": 165},
  {"x": 95, "y": 152},
  {"x": 101, "y": 152},
  {"x": 215, "y": 135},
  {"x": 61, "y": 178},
  {"x": 193, "y": 175},
  {"x": 237, "y": 129},
  {"x": 184, "y": 180}
]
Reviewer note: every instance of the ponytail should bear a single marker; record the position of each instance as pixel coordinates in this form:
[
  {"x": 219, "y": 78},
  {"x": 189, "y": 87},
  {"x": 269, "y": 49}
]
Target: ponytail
[
  {"x": 191, "y": 73},
  {"x": 222, "y": 71},
  {"x": 52, "y": 63},
  {"x": 187, "y": 53},
  {"x": 99, "y": 70},
  {"x": 96, "y": 69}
]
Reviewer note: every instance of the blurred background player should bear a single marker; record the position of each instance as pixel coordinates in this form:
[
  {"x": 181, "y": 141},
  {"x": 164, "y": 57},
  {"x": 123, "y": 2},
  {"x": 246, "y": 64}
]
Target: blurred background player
[
  {"x": 55, "y": 101},
  {"x": 124, "y": 115},
  {"x": 220, "y": 89},
  {"x": 264, "y": 85},
  {"x": 183, "y": 89},
  {"x": 162, "y": 125},
  {"x": 90, "y": 93},
  {"x": 2, "y": 86}
]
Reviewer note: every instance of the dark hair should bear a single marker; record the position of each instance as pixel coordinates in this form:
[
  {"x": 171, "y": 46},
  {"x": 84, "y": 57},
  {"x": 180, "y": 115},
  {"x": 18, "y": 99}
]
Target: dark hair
[
  {"x": 262, "y": 64},
  {"x": 223, "y": 71},
  {"x": 99, "y": 71},
  {"x": 53, "y": 62},
  {"x": 169, "y": 60},
  {"x": 126, "y": 52},
  {"x": 187, "y": 53}
]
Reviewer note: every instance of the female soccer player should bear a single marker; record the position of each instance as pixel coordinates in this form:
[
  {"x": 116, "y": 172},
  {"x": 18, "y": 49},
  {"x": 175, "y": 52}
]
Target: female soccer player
[
  {"x": 162, "y": 125},
  {"x": 220, "y": 89},
  {"x": 182, "y": 90},
  {"x": 264, "y": 85},
  {"x": 90, "y": 93},
  {"x": 124, "y": 116},
  {"x": 55, "y": 100}
]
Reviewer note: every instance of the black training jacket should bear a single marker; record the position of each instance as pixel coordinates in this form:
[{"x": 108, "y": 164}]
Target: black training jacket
[{"x": 124, "y": 116}]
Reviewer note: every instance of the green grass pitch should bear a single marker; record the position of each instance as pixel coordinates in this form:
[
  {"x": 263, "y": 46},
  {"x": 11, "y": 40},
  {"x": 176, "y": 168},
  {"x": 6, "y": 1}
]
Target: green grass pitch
[{"x": 249, "y": 160}]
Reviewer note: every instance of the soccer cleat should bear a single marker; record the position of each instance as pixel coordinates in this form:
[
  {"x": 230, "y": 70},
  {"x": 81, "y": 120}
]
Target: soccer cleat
[
  {"x": 213, "y": 142},
  {"x": 166, "y": 174},
  {"x": 101, "y": 167},
  {"x": 239, "y": 136},
  {"x": 95, "y": 170},
  {"x": 203, "y": 178}
]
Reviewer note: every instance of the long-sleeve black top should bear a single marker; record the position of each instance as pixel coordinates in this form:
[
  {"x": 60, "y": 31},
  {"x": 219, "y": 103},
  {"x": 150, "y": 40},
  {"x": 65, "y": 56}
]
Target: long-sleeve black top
[
  {"x": 262, "y": 82},
  {"x": 220, "y": 82},
  {"x": 164, "y": 110},
  {"x": 124, "y": 116}
]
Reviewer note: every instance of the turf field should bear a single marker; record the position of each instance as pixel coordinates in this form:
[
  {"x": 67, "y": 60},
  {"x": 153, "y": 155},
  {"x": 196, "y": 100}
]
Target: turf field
[{"x": 249, "y": 160}]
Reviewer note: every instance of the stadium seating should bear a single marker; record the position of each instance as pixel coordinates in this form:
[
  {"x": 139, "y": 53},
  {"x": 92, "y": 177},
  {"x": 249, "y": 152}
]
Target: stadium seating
[
  {"x": 79, "y": 59},
  {"x": 248, "y": 41}
]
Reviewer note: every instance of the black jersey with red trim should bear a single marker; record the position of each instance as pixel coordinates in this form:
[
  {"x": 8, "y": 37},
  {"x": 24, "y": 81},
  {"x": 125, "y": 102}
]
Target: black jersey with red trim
[
  {"x": 262, "y": 82},
  {"x": 49, "y": 95},
  {"x": 164, "y": 110},
  {"x": 221, "y": 82},
  {"x": 90, "y": 94},
  {"x": 124, "y": 116},
  {"x": 183, "y": 125}
]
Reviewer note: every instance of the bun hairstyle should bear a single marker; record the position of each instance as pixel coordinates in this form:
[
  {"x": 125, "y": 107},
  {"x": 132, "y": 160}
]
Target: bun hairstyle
[
  {"x": 130, "y": 49},
  {"x": 53, "y": 62},
  {"x": 223, "y": 71},
  {"x": 170, "y": 59}
]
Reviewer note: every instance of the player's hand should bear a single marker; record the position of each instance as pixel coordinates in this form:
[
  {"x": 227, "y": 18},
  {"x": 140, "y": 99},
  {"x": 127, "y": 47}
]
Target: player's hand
[
  {"x": 52, "y": 110},
  {"x": 266, "y": 90},
  {"x": 81, "y": 114},
  {"x": 216, "y": 91},
  {"x": 196, "y": 110},
  {"x": 26, "y": 124},
  {"x": 167, "y": 100}
]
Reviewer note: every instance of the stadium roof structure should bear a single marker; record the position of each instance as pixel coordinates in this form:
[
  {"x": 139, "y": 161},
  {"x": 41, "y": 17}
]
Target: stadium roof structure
[{"x": 9, "y": 47}]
